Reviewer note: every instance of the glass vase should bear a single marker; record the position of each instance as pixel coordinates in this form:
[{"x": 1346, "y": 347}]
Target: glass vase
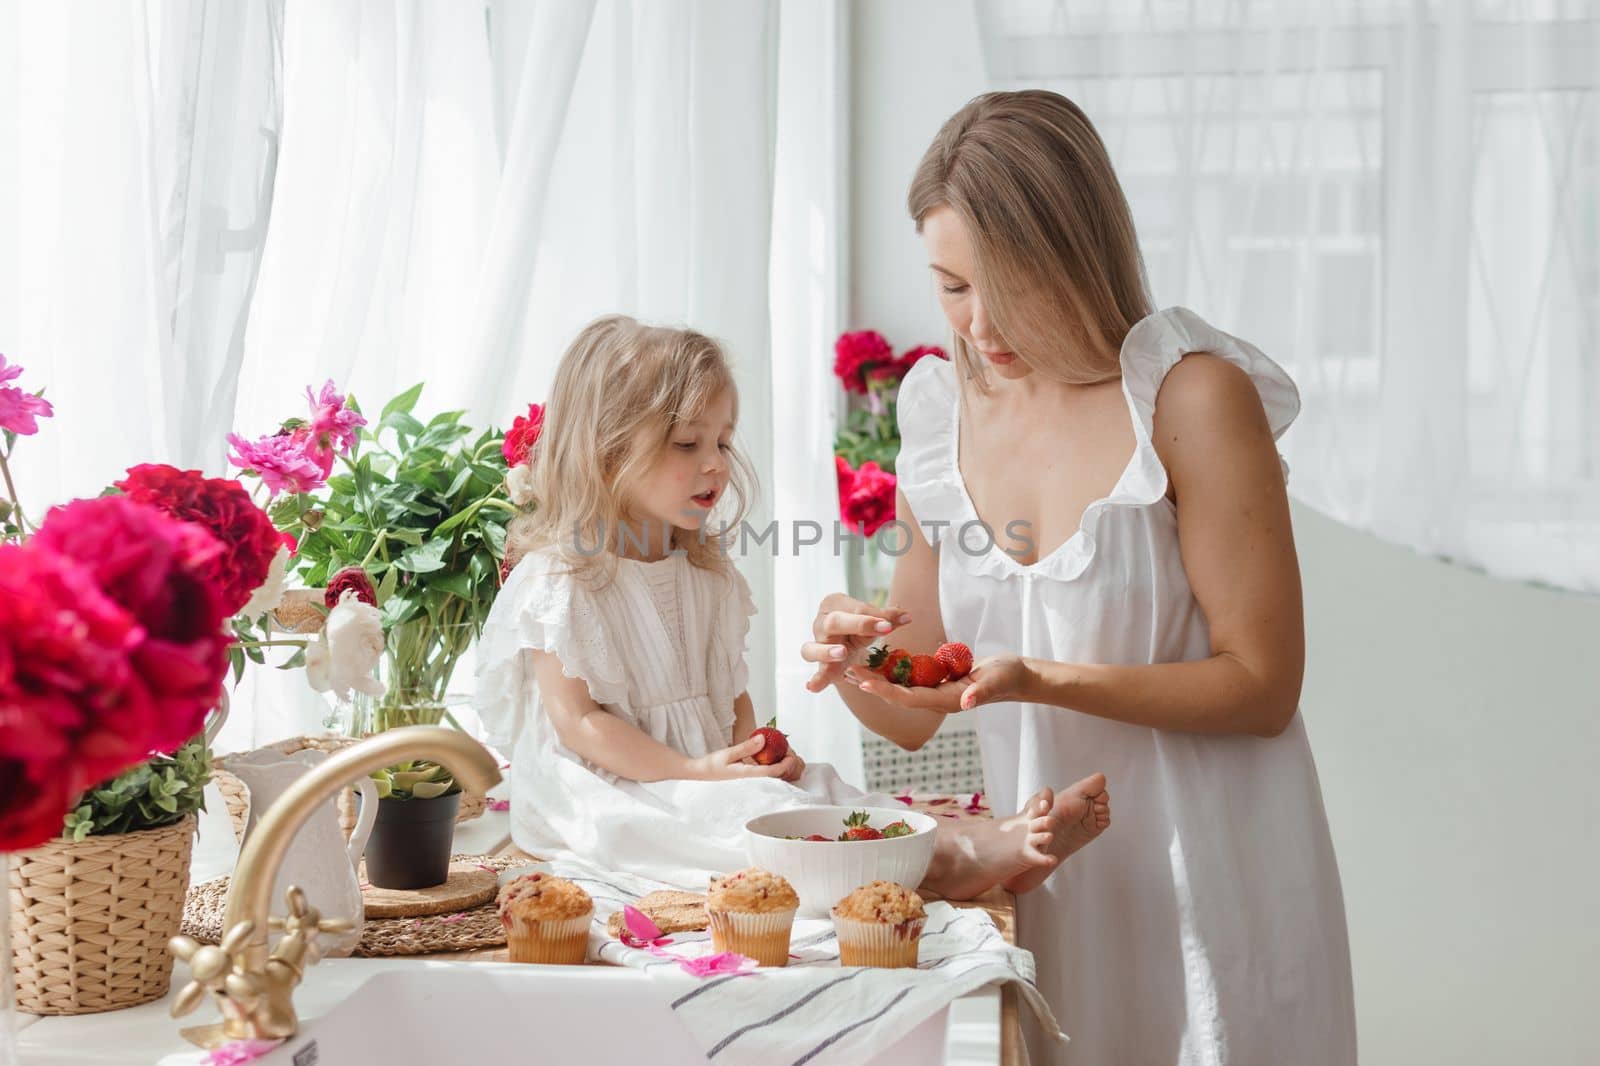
[
  {"x": 869, "y": 570},
  {"x": 419, "y": 658}
]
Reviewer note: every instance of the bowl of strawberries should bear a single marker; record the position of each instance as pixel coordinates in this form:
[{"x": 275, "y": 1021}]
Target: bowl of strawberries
[{"x": 826, "y": 853}]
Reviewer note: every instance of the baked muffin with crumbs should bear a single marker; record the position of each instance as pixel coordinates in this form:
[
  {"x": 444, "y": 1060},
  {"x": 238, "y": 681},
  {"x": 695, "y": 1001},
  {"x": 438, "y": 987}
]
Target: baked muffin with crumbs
[
  {"x": 546, "y": 919},
  {"x": 751, "y": 913},
  {"x": 879, "y": 924}
]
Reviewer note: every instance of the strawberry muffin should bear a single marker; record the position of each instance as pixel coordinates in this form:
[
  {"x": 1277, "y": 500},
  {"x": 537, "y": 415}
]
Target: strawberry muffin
[
  {"x": 879, "y": 925},
  {"x": 546, "y": 919},
  {"x": 751, "y": 913}
]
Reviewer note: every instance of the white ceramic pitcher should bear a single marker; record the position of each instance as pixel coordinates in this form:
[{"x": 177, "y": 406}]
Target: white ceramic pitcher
[{"x": 319, "y": 859}]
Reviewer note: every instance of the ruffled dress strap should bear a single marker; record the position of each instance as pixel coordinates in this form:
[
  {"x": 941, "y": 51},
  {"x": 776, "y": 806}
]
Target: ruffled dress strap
[
  {"x": 727, "y": 672},
  {"x": 926, "y": 468},
  {"x": 1149, "y": 352},
  {"x": 541, "y": 607}
]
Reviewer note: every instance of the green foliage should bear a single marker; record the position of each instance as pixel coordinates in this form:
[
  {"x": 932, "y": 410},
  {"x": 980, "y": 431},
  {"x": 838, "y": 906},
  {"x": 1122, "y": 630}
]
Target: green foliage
[
  {"x": 422, "y": 507},
  {"x": 870, "y": 437},
  {"x": 417, "y": 779},
  {"x": 160, "y": 791}
]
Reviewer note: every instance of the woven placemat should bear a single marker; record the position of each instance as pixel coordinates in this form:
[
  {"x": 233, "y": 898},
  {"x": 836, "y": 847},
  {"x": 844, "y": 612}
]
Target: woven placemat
[{"x": 478, "y": 927}]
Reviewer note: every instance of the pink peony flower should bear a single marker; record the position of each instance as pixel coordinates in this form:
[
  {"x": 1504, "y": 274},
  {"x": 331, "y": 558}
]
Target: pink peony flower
[
  {"x": 523, "y": 435},
  {"x": 870, "y": 503},
  {"x": 846, "y": 477},
  {"x": 19, "y": 410},
  {"x": 239, "y": 1052},
  {"x": 282, "y": 461},
  {"x": 854, "y": 356},
  {"x": 333, "y": 425}
]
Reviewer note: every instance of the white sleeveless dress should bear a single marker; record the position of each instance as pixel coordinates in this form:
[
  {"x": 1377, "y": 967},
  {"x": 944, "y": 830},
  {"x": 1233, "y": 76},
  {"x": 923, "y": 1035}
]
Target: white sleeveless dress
[
  {"x": 662, "y": 647},
  {"x": 1207, "y": 925}
]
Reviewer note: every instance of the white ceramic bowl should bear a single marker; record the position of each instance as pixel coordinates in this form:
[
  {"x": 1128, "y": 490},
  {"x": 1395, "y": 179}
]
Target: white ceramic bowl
[{"x": 825, "y": 871}]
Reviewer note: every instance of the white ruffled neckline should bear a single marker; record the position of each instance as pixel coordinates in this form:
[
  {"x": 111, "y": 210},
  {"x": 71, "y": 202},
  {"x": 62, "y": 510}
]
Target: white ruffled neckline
[{"x": 1151, "y": 349}]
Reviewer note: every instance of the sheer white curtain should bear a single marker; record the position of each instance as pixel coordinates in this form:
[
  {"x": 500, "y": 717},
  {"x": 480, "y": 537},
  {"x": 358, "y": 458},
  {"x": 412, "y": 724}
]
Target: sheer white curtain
[
  {"x": 140, "y": 148},
  {"x": 453, "y": 190},
  {"x": 1397, "y": 200}
]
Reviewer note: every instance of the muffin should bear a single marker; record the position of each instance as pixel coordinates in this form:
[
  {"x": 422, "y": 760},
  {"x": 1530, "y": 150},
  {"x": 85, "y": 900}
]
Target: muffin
[
  {"x": 546, "y": 919},
  {"x": 879, "y": 925},
  {"x": 751, "y": 913}
]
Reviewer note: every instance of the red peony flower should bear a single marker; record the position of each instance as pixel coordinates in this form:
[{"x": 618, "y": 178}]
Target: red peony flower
[
  {"x": 846, "y": 476},
  {"x": 855, "y": 354},
  {"x": 917, "y": 355},
  {"x": 222, "y": 508},
  {"x": 159, "y": 571},
  {"x": 870, "y": 503},
  {"x": 523, "y": 435},
  {"x": 354, "y": 579}
]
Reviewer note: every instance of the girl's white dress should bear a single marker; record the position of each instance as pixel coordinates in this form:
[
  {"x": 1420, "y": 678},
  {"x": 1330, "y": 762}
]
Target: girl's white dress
[
  {"x": 1207, "y": 925},
  {"x": 662, "y": 647}
]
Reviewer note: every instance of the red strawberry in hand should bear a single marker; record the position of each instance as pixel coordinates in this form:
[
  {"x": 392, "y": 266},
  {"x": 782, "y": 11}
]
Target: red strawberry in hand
[
  {"x": 882, "y": 659},
  {"x": 920, "y": 671},
  {"x": 776, "y": 747},
  {"x": 957, "y": 659},
  {"x": 856, "y": 828}
]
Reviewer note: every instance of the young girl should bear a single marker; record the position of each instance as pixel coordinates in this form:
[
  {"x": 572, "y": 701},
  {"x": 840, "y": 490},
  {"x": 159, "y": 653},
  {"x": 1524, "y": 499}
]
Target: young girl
[{"x": 612, "y": 665}]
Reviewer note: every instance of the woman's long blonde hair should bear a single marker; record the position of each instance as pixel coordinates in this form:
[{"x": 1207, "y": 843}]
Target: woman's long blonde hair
[
  {"x": 620, "y": 391},
  {"x": 1057, "y": 258}
]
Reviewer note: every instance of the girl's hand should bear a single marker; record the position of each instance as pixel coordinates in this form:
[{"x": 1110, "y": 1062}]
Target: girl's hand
[
  {"x": 842, "y": 629},
  {"x": 945, "y": 698},
  {"x": 733, "y": 763},
  {"x": 998, "y": 679}
]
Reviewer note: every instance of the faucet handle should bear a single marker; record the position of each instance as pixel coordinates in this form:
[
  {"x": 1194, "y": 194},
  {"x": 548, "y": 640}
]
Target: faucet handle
[
  {"x": 301, "y": 927},
  {"x": 212, "y": 969}
]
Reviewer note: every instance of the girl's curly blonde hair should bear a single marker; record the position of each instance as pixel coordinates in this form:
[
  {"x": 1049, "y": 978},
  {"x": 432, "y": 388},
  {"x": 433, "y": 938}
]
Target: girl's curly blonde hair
[{"x": 619, "y": 393}]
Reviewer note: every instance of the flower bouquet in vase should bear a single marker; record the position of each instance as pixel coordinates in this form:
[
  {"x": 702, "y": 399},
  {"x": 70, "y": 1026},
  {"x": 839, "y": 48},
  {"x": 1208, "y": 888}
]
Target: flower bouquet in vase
[
  {"x": 402, "y": 524},
  {"x": 865, "y": 450}
]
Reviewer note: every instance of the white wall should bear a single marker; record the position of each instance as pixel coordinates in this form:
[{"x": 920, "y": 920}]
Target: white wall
[{"x": 1456, "y": 719}]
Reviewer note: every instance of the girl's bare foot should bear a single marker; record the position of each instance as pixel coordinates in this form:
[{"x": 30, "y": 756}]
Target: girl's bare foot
[
  {"x": 1023, "y": 850},
  {"x": 1073, "y": 818}
]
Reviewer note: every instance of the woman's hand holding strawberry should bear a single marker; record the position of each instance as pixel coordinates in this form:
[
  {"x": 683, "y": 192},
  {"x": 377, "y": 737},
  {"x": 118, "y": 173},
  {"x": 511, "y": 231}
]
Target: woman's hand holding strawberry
[
  {"x": 842, "y": 628},
  {"x": 949, "y": 681}
]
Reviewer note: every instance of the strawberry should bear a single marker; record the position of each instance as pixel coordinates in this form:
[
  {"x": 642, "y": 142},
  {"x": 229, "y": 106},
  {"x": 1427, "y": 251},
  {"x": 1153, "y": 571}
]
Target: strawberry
[
  {"x": 776, "y": 747},
  {"x": 819, "y": 836},
  {"x": 957, "y": 659},
  {"x": 897, "y": 829},
  {"x": 882, "y": 659},
  {"x": 856, "y": 828},
  {"x": 920, "y": 671}
]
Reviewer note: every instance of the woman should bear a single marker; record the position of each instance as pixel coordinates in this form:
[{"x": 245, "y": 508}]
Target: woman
[{"x": 1096, "y": 507}]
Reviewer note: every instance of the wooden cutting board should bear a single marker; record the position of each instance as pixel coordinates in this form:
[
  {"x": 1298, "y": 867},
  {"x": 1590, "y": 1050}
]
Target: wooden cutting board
[{"x": 467, "y": 886}]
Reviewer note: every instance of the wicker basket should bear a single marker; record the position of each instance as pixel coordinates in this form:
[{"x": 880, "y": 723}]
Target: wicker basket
[
  {"x": 237, "y": 797},
  {"x": 90, "y": 919}
]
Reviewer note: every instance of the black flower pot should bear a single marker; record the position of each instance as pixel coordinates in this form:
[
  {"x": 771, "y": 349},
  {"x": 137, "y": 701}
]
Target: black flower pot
[{"x": 410, "y": 842}]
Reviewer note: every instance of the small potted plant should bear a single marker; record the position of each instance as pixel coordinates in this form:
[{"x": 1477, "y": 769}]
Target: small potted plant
[{"x": 410, "y": 842}]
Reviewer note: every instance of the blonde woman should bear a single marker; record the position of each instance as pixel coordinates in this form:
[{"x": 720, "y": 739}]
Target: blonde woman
[
  {"x": 1095, "y": 505},
  {"x": 612, "y": 669}
]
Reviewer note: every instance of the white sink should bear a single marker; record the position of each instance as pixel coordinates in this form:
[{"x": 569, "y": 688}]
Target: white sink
[{"x": 466, "y": 1012}]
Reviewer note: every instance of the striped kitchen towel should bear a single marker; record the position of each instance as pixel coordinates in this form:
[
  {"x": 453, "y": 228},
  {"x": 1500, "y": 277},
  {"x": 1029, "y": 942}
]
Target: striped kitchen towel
[{"x": 814, "y": 1011}]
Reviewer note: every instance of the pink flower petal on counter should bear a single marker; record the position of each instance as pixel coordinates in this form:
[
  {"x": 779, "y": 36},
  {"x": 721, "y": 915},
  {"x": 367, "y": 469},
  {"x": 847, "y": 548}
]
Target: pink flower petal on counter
[
  {"x": 239, "y": 1052},
  {"x": 710, "y": 965},
  {"x": 449, "y": 918},
  {"x": 937, "y": 800},
  {"x": 499, "y": 805},
  {"x": 907, "y": 800},
  {"x": 639, "y": 923}
]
